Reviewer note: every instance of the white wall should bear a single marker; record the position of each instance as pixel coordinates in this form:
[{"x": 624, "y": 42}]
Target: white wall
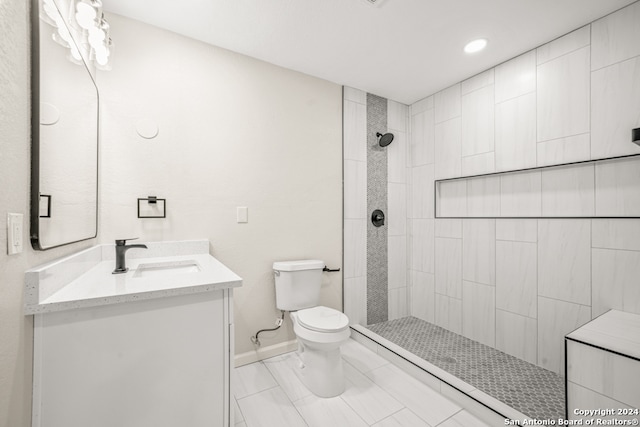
[
  {"x": 16, "y": 330},
  {"x": 520, "y": 284},
  {"x": 233, "y": 131}
]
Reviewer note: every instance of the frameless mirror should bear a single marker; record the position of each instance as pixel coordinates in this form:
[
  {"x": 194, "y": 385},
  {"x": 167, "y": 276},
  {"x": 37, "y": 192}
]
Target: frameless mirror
[{"x": 64, "y": 123}]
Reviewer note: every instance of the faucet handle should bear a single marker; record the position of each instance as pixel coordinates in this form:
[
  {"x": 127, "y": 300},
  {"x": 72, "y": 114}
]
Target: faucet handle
[{"x": 122, "y": 242}]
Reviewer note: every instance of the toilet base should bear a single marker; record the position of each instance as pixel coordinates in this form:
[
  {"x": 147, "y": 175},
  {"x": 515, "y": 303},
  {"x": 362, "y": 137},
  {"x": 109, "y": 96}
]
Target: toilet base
[{"x": 320, "y": 370}]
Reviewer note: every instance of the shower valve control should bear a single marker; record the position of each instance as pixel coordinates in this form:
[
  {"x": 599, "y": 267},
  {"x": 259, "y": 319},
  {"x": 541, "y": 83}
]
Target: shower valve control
[{"x": 377, "y": 218}]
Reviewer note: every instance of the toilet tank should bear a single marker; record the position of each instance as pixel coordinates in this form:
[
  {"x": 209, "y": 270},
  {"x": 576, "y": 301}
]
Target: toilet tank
[{"x": 298, "y": 283}]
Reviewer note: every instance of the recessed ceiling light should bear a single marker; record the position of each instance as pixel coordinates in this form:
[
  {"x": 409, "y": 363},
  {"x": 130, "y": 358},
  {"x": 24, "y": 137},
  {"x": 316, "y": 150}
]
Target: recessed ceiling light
[{"x": 475, "y": 46}]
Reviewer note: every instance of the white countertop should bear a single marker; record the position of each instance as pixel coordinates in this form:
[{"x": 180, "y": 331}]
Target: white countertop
[
  {"x": 615, "y": 330},
  {"x": 85, "y": 279}
]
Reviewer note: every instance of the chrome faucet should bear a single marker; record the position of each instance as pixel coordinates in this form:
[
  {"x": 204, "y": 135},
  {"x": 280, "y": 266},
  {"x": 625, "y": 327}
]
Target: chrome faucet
[{"x": 121, "y": 249}]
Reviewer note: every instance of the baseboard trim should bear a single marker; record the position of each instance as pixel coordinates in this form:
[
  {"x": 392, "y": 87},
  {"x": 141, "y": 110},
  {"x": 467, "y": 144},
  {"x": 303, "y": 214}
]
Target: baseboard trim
[{"x": 265, "y": 352}]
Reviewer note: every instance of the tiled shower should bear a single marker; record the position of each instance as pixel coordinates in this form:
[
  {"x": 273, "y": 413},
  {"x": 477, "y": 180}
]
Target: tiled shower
[{"x": 519, "y": 254}]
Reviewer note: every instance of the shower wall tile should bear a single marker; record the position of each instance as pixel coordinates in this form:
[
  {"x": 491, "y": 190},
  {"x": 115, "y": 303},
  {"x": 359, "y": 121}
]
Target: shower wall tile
[
  {"x": 479, "y": 164},
  {"x": 521, "y": 194},
  {"x": 555, "y": 320},
  {"x": 398, "y": 303},
  {"x": 564, "y": 258},
  {"x": 423, "y": 297},
  {"x": 355, "y": 95},
  {"x": 397, "y": 158},
  {"x": 478, "y": 312},
  {"x": 355, "y": 299},
  {"x": 397, "y": 116},
  {"x": 616, "y": 234},
  {"x": 452, "y": 198},
  {"x": 396, "y": 216},
  {"x": 422, "y": 242},
  {"x": 516, "y": 77},
  {"x": 615, "y": 37},
  {"x": 615, "y": 109},
  {"x": 479, "y": 81},
  {"x": 483, "y": 197},
  {"x": 355, "y": 189},
  {"x": 569, "y": 191},
  {"x": 479, "y": 251},
  {"x": 564, "y": 150},
  {"x": 355, "y": 131},
  {"x": 449, "y": 313},
  {"x": 422, "y": 138},
  {"x": 422, "y": 191},
  {"x": 516, "y": 277},
  {"x": 397, "y": 261},
  {"x": 517, "y": 335},
  {"x": 565, "y": 44},
  {"x": 519, "y": 230},
  {"x": 447, "y": 103},
  {"x": 449, "y": 267},
  {"x": 355, "y": 248},
  {"x": 421, "y": 106},
  {"x": 563, "y": 95},
  {"x": 515, "y": 146},
  {"x": 478, "y": 121},
  {"x": 448, "y": 228},
  {"x": 448, "y": 156},
  {"x": 615, "y": 276},
  {"x": 617, "y": 189}
]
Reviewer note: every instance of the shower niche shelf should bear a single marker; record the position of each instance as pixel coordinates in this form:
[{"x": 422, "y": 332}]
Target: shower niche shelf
[{"x": 601, "y": 188}]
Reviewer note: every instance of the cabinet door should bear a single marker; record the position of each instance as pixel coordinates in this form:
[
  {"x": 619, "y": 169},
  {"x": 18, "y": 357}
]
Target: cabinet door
[{"x": 151, "y": 363}]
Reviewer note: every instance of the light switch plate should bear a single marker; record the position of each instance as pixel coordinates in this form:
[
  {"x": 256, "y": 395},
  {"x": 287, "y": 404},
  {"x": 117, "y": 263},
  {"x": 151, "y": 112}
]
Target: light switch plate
[
  {"x": 242, "y": 214},
  {"x": 14, "y": 233}
]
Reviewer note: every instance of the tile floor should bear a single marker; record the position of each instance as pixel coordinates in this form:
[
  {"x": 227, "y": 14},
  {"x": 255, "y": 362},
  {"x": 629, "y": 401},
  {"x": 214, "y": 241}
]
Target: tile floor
[{"x": 268, "y": 393}]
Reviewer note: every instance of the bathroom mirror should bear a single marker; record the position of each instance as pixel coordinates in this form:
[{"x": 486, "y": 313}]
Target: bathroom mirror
[{"x": 64, "y": 131}]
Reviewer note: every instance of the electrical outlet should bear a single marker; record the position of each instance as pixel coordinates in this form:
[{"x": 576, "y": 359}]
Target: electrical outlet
[{"x": 14, "y": 233}]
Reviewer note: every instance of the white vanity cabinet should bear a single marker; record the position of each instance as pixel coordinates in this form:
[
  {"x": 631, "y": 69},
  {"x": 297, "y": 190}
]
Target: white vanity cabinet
[{"x": 152, "y": 358}]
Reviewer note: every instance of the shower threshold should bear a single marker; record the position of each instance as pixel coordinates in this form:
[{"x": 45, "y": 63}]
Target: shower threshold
[{"x": 510, "y": 387}]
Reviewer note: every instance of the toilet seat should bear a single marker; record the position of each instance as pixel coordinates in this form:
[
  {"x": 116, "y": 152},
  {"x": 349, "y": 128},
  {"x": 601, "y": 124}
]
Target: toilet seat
[{"x": 322, "y": 319}]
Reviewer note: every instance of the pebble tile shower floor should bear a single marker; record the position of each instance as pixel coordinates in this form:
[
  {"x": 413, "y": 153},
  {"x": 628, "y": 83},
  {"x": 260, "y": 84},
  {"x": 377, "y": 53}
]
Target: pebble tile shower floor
[{"x": 532, "y": 390}]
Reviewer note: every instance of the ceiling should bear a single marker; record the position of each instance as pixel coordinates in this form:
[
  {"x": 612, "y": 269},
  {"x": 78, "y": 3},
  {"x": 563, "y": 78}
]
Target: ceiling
[{"x": 403, "y": 50}]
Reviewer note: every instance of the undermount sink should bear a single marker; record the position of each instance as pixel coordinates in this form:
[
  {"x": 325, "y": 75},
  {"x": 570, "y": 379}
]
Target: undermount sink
[{"x": 157, "y": 269}]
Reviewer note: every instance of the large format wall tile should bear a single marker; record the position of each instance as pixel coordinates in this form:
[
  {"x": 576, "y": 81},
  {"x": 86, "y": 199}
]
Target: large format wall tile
[
  {"x": 355, "y": 189},
  {"x": 568, "y": 191},
  {"x": 449, "y": 313},
  {"x": 396, "y": 217},
  {"x": 478, "y": 251},
  {"x": 563, "y": 96},
  {"x": 520, "y": 194},
  {"x": 565, "y": 44},
  {"x": 516, "y": 277},
  {"x": 519, "y": 230},
  {"x": 447, "y": 103},
  {"x": 479, "y": 164},
  {"x": 517, "y": 335},
  {"x": 615, "y": 37},
  {"x": 397, "y": 115},
  {"x": 615, "y": 276},
  {"x": 355, "y": 299},
  {"x": 564, "y": 150},
  {"x": 484, "y": 79},
  {"x": 617, "y": 189},
  {"x": 397, "y": 158},
  {"x": 447, "y": 149},
  {"x": 422, "y": 138},
  {"x": 449, "y": 228},
  {"x": 422, "y": 191},
  {"x": 516, "y": 133},
  {"x": 478, "y": 121},
  {"x": 452, "y": 198},
  {"x": 564, "y": 257},
  {"x": 422, "y": 243},
  {"x": 478, "y": 312},
  {"x": 397, "y": 303},
  {"x": 555, "y": 320},
  {"x": 423, "y": 296},
  {"x": 616, "y": 234},
  {"x": 615, "y": 109},
  {"x": 355, "y": 131},
  {"x": 483, "y": 197},
  {"x": 397, "y": 261},
  {"x": 516, "y": 77},
  {"x": 449, "y": 267},
  {"x": 355, "y": 95},
  {"x": 421, "y": 106},
  {"x": 355, "y": 248}
]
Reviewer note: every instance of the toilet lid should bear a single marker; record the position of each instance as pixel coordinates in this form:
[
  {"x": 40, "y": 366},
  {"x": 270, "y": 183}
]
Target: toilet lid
[{"x": 322, "y": 319}]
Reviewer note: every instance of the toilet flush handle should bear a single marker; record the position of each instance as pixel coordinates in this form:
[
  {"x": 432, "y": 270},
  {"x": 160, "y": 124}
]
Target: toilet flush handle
[{"x": 330, "y": 270}]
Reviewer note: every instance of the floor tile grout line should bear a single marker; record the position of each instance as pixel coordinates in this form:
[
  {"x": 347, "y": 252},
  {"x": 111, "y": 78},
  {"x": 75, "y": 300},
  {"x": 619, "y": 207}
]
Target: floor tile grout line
[{"x": 447, "y": 419}]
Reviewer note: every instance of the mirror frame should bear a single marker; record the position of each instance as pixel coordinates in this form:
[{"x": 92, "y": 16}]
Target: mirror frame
[{"x": 35, "y": 135}]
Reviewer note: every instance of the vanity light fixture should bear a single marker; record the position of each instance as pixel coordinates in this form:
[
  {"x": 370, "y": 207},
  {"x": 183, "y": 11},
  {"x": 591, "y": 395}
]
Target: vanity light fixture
[
  {"x": 475, "y": 46},
  {"x": 89, "y": 26}
]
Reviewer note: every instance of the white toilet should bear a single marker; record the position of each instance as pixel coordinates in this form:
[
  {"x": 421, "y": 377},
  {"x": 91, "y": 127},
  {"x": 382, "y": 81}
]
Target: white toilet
[{"x": 320, "y": 330}]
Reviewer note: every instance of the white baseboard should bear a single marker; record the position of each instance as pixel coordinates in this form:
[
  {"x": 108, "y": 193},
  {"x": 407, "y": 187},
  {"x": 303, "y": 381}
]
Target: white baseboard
[{"x": 265, "y": 352}]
